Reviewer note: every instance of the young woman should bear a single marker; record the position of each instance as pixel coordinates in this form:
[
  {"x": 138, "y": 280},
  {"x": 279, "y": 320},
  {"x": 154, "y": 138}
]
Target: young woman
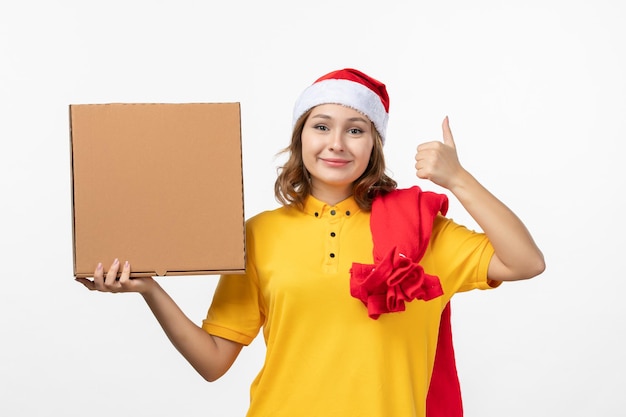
[{"x": 350, "y": 280}]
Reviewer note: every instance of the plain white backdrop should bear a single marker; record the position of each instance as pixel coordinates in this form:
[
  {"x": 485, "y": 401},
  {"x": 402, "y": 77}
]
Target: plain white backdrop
[{"x": 536, "y": 95}]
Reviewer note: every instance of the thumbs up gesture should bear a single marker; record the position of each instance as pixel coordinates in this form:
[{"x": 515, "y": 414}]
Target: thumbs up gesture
[{"x": 437, "y": 161}]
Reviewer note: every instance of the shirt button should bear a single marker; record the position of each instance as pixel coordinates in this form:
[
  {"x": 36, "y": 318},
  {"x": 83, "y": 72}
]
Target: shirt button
[
  {"x": 316, "y": 214},
  {"x": 332, "y": 255},
  {"x": 348, "y": 213},
  {"x": 333, "y": 212},
  {"x": 332, "y": 234}
]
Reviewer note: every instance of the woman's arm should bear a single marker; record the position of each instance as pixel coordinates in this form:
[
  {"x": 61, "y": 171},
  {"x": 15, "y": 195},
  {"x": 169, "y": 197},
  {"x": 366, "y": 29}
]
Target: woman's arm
[
  {"x": 516, "y": 254},
  {"x": 210, "y": 355}
]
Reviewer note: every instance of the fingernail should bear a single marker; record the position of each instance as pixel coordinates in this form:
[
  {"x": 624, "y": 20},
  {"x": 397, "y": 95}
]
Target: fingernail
[
  {"x": 99, "y": 267},
  {"x": 126, "y": 265},
  {"x": 116, "y": 261}
]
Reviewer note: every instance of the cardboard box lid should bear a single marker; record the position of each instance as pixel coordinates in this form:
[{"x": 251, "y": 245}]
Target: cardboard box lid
[{"x": 159, "y": 185}]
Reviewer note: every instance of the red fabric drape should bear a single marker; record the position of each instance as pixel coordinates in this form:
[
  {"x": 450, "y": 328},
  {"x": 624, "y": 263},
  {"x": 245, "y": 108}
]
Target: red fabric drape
[{"x": 401, "y": 223}]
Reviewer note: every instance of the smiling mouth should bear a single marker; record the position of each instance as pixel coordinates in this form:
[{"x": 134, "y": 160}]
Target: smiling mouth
[{"x": 335, "y": 161}]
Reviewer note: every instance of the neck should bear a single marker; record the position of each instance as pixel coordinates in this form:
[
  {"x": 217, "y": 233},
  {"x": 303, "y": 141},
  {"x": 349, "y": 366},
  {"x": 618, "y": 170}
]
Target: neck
[{"x": 331, "y": 195}]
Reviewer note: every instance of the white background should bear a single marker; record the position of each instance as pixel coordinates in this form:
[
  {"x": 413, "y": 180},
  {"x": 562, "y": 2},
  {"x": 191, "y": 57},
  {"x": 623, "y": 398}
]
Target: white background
[{"x": 536, "y": 94}]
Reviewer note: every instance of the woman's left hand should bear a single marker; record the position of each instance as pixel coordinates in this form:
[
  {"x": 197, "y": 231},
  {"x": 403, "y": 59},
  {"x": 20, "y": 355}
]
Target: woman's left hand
[
  {"x": 516, "y": 254},
  {"x": 438, "y": 161}
]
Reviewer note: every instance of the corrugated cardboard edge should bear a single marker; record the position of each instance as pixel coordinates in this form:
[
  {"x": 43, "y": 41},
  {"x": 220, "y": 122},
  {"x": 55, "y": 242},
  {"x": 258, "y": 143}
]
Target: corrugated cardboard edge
[
  {"x": 73, "y": 221},
  {"x": 139, "y": 274},
  {"x": 243, "y": 198}
]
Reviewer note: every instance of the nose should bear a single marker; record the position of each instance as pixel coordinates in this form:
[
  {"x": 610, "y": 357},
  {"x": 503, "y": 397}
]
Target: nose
[{"x": 336, "y": 141}]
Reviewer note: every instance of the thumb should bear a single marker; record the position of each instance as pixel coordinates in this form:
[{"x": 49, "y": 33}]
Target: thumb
[{"x": 447, "y": 133}]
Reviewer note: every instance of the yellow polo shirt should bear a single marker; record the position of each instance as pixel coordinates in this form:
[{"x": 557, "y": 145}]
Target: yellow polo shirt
[{"x": 325, "y": 355}]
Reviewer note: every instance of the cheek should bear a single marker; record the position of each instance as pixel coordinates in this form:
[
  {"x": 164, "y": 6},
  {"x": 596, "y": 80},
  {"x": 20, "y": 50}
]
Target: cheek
[
  {"x": 308, "y": 153},
  {"x": 365, "y": 154},
  {"x": 307, "y": 143}
]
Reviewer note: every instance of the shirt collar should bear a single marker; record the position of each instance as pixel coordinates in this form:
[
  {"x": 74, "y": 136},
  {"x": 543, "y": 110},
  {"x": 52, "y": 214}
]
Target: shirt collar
[{"x": 319, "y": 209}]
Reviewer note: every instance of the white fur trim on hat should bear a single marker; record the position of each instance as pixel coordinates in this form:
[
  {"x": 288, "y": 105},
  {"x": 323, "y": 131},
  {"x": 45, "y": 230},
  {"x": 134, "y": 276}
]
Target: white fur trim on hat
[{"x": 345, "y": 92}]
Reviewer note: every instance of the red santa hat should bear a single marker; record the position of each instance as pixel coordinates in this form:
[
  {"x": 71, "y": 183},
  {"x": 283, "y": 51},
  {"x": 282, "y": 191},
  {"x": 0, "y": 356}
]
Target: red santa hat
[{"x": 351, "y": 88}]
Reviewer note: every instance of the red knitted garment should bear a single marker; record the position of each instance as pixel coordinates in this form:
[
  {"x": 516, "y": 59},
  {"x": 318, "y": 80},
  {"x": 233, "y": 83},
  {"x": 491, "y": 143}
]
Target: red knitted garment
[
  {"x": 444, "y": 393},
  {"x": 401, "y": 223}
]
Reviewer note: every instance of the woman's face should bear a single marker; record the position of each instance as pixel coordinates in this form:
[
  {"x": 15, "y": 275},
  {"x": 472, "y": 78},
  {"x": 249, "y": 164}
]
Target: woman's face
[{"x": 337, "y": 142}]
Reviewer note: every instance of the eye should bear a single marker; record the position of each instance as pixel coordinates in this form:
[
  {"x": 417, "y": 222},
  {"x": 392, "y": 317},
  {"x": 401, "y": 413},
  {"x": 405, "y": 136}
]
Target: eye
[
  {"x": 321, "y": 127},
  {"x": 355, "y": 131}
]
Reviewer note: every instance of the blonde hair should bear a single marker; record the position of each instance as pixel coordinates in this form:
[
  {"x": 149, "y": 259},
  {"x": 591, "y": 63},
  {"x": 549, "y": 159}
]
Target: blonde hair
[{"x": 292, "y": 186}]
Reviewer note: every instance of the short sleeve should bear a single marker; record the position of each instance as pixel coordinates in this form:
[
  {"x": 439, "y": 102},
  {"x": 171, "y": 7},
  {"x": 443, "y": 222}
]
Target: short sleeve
[
  {"x": 459, "y": 256},
  {"x": 235, "y": 312}
]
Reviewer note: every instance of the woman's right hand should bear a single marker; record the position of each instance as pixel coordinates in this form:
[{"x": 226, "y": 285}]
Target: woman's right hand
[
  {"x": 111, "y": 283},
  {"x": 210, "y": 355}
]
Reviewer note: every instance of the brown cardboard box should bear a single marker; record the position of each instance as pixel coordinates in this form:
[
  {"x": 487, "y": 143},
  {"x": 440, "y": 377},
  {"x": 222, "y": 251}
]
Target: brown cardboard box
[{"x": 159, "y": 185}]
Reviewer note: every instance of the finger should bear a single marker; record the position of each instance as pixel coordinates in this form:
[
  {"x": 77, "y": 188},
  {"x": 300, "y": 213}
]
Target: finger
[
  {"x": 112, "y": 273},
  {"x": 447, "y": 133},
  {"x": 422, "y": 149},
  {"x": 125, "y": 277},
  {"x": 428, "y": 146},
  {"x": 98, "y": 276},
  {"x": 421, "y": 170}
]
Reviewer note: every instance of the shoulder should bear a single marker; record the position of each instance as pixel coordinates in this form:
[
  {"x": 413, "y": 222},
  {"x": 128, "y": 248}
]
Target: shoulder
[
  {"x": 410, "y": 194},
  {"x": 411, "y": 200},
  {"x": 272, "y": 218}
]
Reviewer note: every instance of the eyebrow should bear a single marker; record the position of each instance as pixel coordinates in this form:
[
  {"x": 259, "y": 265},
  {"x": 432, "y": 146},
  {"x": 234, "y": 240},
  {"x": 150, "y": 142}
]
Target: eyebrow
[{"x": 327, "y": 117}]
